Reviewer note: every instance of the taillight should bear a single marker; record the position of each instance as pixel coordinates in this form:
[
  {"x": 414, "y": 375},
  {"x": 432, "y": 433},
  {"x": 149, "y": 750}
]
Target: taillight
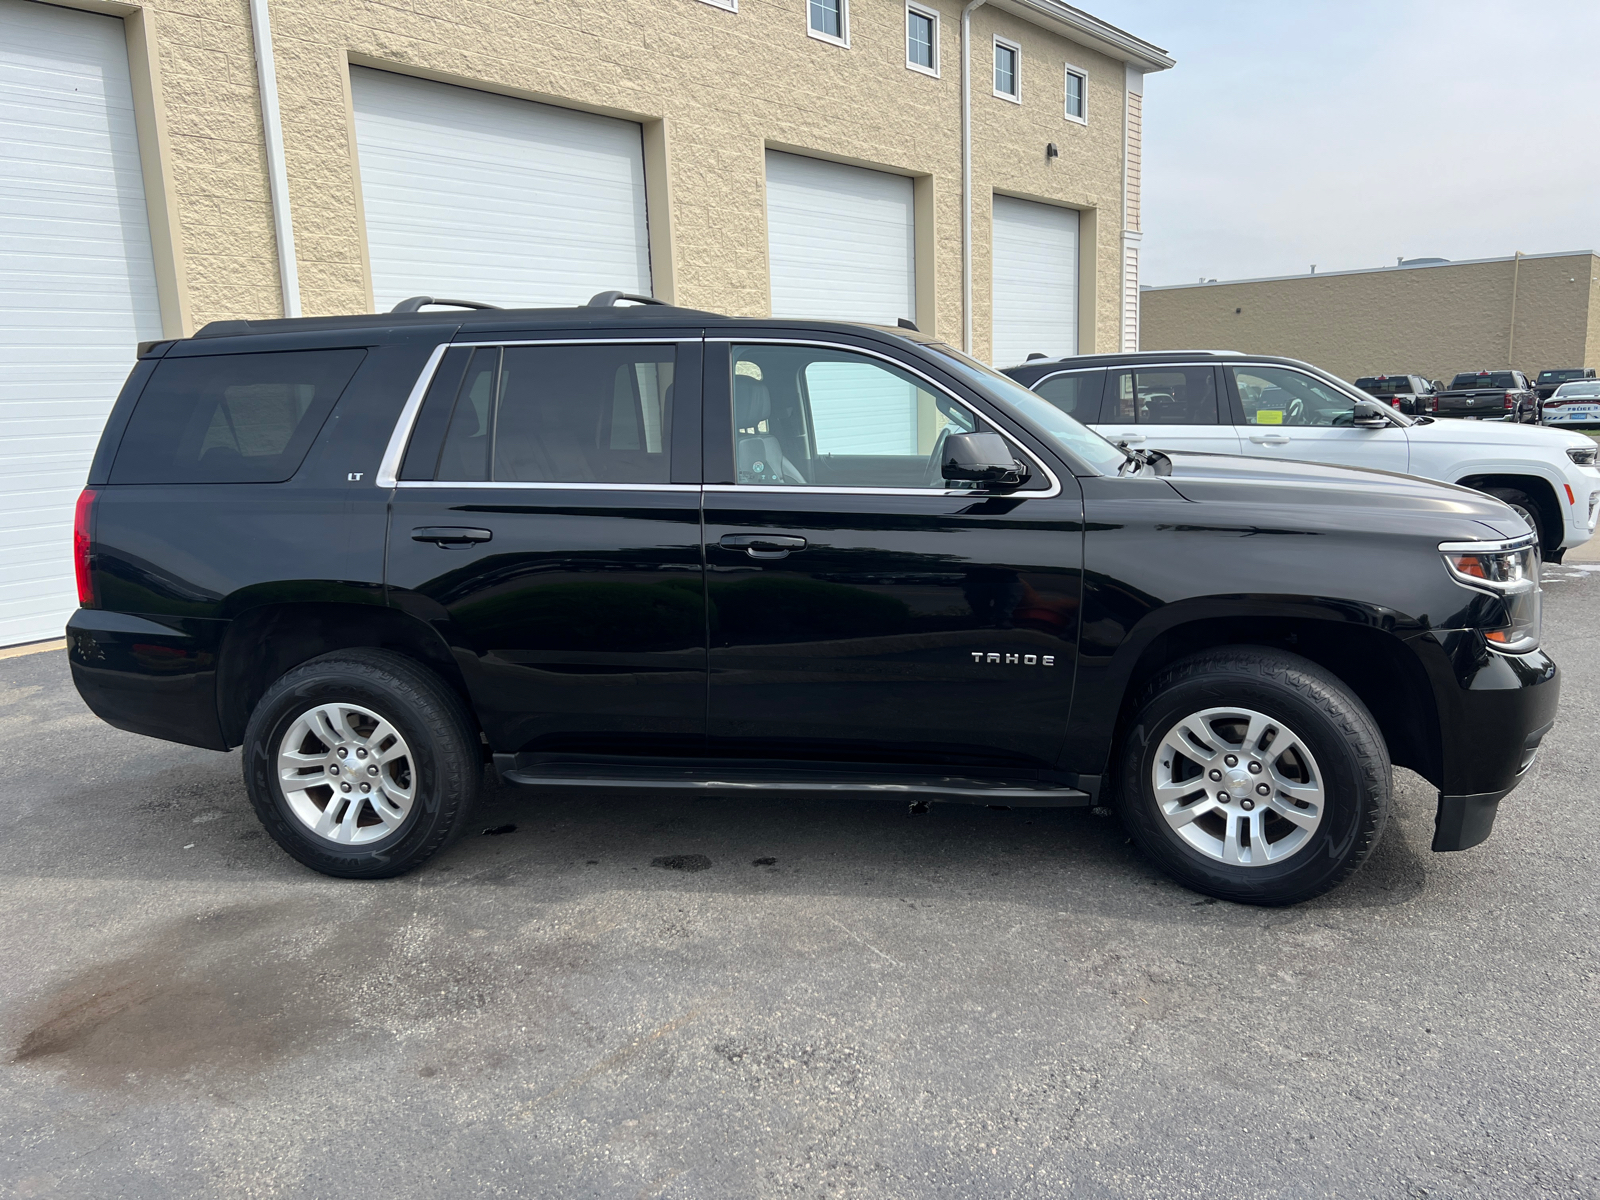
[
  {"x": 81, "y": 545},
  {"x": 1511, "y": 400},
  {"x": 1394, "y": 404}
]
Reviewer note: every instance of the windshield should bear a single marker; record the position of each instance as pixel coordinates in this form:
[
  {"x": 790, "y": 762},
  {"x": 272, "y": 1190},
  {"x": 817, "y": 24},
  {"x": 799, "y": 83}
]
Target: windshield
[
  {"x": 1559, "y": 376},
  {"x": 1489, "y": 379},
  {"x": 1385, "y": 385},
  {"x": 1589, "y": 389},
  {"x": 1079, "y": 441}
]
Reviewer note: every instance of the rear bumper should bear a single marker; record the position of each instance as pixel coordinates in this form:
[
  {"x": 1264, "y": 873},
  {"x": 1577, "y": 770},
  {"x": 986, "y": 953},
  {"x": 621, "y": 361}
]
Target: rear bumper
[
  {"x": 1494, "y": 711},
  {"x": 149, "y": 677}
]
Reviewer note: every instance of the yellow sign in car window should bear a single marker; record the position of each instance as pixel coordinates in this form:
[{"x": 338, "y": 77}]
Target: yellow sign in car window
[{"x": 1269, "y": 416}]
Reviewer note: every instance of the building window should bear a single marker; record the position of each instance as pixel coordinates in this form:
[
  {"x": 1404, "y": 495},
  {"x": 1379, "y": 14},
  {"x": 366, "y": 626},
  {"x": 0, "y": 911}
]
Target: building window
[
  {"x": 829, "y": 20},
  {"x": 1077, "y": 95},
  {"x": 922, "y": 39},
  {"x": 1008, "y": 70},
  {"x": 730, "y": 5}
]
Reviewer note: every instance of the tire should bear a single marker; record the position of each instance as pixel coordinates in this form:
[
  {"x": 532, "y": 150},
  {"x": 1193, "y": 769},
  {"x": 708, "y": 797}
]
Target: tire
[
  {"x": 1526, "y": 509},
  {"x": 414, "y": 750},
  {"x": 1337, "y": 752}
]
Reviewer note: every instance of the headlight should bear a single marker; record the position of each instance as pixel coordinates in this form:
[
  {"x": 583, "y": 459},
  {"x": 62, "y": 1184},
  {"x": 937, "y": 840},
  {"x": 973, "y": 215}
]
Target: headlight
[
  {"x": 1508, "y": 571},
  {"x": 1583, "y": 455}
]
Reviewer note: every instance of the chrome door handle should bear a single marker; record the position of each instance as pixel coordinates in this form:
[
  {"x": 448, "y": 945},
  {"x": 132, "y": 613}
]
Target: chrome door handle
[
  {"x": 1270, "y": 439},
  {"x": 447, "y": 535},
  {"x": 1131, "y": 439},
  {"x": 762, "y": 545}
]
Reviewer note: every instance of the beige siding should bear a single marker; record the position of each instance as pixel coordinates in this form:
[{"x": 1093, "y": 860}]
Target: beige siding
[
  {"x": 1434, "y": 321},
  {"x": 1135, "y": 156}
]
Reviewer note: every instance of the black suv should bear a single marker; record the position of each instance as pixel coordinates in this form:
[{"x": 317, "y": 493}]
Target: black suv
[
  {"x": 653, "y": 547},
  {"x": 1550, "y": 380}
]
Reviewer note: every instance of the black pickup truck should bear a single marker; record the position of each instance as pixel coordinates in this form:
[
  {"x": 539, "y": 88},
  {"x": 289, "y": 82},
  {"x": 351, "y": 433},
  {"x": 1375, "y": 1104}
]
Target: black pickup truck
[
  {"x": 657, "y": 548},
  {"x": 1550, "y": 380},
  {"x": 1490, "y": 396}
]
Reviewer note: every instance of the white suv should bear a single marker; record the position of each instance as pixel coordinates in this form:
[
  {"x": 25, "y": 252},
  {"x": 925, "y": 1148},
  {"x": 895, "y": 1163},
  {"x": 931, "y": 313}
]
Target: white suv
[{"x": 1231, "y": 403}]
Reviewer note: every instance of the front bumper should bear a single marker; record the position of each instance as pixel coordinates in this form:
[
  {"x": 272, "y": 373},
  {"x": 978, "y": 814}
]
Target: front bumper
[{"x": 1494, "y": 709}]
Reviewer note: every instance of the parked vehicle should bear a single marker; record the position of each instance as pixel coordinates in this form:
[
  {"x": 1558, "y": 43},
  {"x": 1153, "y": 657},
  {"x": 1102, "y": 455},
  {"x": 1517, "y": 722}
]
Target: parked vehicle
[
  {"x": 1490, "y": 396},
  {"x": 1411, "y": 394},
  {"x": 1549, "y": 381},
  {"x": 1281, "y": 409},
  {"x": 652, "y": 547},
  {"x": 1576, "y": 403}
]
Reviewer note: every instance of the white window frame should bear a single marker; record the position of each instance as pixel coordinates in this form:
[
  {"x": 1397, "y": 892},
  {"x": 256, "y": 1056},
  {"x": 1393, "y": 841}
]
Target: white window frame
[
  {"x": 1016, "y": 50},
  {"x": 931, "y": 14},
  {"x": 1083, "y": 93},
  {"x": 730, "y": 5},
  {"x": 844, "y": 26}
]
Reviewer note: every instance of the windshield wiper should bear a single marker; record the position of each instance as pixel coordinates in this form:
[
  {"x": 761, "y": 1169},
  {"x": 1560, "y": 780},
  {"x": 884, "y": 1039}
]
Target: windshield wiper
[{"x": 1134, "y": 460}]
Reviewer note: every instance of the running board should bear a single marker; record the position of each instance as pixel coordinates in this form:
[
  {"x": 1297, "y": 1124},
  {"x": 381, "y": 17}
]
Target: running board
[{"x": 954, "y": 789}]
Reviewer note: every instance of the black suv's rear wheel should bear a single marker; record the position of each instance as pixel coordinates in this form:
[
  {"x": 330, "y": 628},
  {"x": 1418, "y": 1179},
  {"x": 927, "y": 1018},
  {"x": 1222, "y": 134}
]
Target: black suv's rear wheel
[
  {"x": 362, "y": 764},
  {"x": 1255, "y": 776}
]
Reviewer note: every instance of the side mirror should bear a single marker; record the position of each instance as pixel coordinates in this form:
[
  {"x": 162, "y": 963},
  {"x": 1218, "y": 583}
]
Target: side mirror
[
  {"x": 981, "y": 458},
  {"x": 1369, "y": 415}
]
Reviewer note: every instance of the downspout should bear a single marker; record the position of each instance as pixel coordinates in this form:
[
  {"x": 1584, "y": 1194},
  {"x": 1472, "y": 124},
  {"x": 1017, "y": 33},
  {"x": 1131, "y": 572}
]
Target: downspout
[
  {"x": 966, "y": 173},
  {"x": 277, "y": 176}
]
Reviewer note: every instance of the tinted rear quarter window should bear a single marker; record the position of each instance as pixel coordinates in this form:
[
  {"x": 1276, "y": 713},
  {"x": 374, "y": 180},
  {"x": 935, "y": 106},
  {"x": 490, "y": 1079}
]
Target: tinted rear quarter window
[
  {"x": 231, "y": 418},
  {"x": 1076, "y": 393}
]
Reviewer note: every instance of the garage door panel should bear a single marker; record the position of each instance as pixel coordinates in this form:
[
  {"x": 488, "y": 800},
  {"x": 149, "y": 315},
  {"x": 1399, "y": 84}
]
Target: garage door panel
[
  {"x": 77, "y": 287},
  {"x": 492, "y": 198},
  {"x": 1035, "y": 299},
  {"x": 841, "y": 241}
]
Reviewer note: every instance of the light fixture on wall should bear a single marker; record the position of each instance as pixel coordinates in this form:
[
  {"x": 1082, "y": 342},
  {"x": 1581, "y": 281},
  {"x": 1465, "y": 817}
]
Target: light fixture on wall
[{"x": 1050, "y": 151}]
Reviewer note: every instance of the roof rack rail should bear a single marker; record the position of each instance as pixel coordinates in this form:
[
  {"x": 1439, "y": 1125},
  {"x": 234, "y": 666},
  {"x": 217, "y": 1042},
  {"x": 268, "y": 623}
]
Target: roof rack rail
[
  {"x": 608, "y": 299},
  {"x": 414, "y": 303}
]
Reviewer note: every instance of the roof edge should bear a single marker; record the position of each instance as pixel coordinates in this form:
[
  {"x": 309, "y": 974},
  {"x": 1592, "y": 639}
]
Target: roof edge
[
  {"x": 1458, "y": 262},
  {"x": 1099, "y": 35}
]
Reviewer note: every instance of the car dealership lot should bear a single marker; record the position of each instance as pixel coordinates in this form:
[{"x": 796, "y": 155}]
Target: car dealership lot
[{"x": 848, "y": 1000}]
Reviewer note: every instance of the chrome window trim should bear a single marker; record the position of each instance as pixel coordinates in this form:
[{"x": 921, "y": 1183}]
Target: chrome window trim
[
  {"x": 389, "y": 468},
  {"x": 543, "y": 486},
  {"x": 1055, "y": 484}
]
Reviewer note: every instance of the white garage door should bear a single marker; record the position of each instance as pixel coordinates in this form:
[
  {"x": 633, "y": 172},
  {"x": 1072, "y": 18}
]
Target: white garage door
[
  {"x": 841, "y": 241},
  {"x": 77, "y": 288},
  {"x": 1035, "y": 280},
  {"x": 483, "y": 197}
]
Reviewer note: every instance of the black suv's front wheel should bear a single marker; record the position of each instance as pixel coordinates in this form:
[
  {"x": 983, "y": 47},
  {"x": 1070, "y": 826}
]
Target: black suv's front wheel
[
  {"x": 362, "y": 764},
  {"x": 1254, "y": 776}
]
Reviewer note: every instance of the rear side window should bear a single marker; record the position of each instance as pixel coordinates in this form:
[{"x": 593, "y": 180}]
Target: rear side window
[
  {"x": 231, "y": 418},
  {"x": 562, "y": 414},
  {"x": 1076, "y": 393},
  {"x": 1163, "y": 396}
]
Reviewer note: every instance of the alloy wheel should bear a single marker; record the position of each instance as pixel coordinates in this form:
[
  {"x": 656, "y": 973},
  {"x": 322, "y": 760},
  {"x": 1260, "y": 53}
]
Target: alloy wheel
[{"x": 348, "y": 775}]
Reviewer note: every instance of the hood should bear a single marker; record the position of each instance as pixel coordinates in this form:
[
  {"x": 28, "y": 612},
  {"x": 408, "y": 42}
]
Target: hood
[
  {"x": 1501, "y": 435},
  {"x": 1311, "y": 496}
]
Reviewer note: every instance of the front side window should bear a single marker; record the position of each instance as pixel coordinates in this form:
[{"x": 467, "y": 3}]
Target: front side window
[
  {"x": 922, "y": 39},
  {"x": 561, "y": 414},
  {"x": 1163, "y": 396},
  {"x": 1076, "y": 393},
  {"x": 827, "y": 18},
  {"x": 1007, "y": 70},
  {"x": 805, "y": 416},
  {"x": 1282, "y": 396},
  {"x": 231, "y": 418},
  {"x": 1077, "y": 92}
]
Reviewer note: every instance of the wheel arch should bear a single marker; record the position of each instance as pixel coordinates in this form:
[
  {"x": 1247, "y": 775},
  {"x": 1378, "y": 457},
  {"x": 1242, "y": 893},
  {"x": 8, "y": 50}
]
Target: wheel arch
[
  {"x": 1376, "y": 665},
  {"x": 263, "y": 642},
  {"x": 1538, "y": 489}
]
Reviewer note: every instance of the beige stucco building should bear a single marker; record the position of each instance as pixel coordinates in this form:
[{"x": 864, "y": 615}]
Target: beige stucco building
[{"x": 1527, "y": 311}]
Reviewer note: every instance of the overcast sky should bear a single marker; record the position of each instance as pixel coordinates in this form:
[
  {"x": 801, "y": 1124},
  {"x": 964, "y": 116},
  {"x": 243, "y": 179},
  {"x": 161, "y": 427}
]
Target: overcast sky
[{"x": 1346, "y": 134}]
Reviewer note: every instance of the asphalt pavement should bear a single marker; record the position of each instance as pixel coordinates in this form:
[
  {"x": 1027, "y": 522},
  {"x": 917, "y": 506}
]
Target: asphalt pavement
[{"x": 760, "y": 996}]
